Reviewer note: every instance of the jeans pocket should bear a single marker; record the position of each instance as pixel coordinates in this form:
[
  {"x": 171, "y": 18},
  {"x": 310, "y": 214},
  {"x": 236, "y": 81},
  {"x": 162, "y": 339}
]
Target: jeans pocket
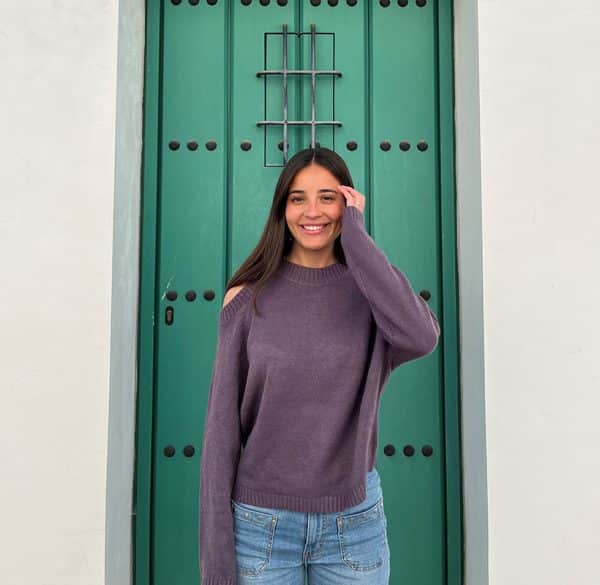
[
  {"x": 363, "y": 538},
  {"x": 253, "y": 530}
]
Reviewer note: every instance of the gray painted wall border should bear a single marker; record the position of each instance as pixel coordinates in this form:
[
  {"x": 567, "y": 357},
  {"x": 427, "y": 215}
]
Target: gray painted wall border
[
  {"x": 124, "y": 304},
  {"x": 124, "y": 301},
  {"x": 470, "y": 284}
]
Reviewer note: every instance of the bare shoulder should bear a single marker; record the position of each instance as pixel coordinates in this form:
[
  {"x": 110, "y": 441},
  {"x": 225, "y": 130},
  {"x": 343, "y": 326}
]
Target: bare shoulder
[{"x": 231, "y": 293}]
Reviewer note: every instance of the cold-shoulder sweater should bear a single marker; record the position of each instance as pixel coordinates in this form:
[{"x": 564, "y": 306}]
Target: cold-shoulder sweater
[{"x": 291, "y": 419}]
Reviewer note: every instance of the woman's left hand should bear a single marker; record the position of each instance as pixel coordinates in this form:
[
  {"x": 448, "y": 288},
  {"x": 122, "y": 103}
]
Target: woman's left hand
[{"x": 353, "y": 197}]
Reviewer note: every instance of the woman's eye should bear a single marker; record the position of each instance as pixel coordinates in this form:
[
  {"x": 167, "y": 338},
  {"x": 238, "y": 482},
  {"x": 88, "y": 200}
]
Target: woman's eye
[{"x": 328, "y": 197}]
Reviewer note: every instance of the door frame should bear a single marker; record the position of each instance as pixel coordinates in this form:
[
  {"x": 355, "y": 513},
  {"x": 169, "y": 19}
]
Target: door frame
[{"x": 451, "y": 359}]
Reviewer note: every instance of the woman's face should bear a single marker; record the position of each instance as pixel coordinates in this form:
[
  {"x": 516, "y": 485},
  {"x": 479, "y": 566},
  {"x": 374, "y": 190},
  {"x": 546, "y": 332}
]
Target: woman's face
[{"x": 313, "y": 200}]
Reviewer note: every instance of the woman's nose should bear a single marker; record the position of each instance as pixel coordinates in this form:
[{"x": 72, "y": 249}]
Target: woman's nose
[{"x": 313, "y": 209}]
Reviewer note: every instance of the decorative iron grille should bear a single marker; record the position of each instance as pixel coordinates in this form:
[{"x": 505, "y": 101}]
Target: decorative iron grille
[{"x": 313, "y": 72}]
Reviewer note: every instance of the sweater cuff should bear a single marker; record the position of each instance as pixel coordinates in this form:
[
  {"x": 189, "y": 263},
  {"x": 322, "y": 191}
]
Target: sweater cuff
[{"x": 354, "y": 213}]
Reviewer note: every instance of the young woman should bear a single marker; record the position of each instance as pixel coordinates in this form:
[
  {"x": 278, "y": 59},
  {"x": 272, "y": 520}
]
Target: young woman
[{"x": 312, "y": 324}]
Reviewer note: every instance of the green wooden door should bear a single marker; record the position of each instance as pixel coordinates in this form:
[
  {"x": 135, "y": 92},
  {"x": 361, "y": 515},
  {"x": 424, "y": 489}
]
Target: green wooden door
[{"x": 214, "y": 145}]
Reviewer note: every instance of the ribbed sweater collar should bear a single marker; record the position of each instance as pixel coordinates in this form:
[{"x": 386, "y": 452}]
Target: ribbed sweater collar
[{"x": 311, "y": 276}]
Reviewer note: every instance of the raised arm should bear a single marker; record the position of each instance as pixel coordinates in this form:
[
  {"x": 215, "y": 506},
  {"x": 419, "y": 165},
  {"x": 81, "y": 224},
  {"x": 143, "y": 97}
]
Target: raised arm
[{"x": 407, "y": 323}]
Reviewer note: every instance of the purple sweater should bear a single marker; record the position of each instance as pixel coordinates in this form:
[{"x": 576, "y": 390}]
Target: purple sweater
[{"x": 291, "y": 420}]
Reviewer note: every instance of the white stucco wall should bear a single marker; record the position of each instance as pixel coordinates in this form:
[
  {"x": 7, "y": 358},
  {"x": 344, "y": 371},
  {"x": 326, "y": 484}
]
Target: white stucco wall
[
  {"x": 58, "y": 62},
  {"x": 540, "y": 140},
  {"x": 529, "y": 243}
]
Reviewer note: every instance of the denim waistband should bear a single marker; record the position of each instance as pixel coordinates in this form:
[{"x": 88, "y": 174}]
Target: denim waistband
[
  {"x": 373, "y": 478},
  {"x": 374, "y": 492}
]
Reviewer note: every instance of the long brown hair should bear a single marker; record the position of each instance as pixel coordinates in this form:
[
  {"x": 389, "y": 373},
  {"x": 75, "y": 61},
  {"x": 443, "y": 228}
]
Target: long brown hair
[{"x": 276, "y": 240}]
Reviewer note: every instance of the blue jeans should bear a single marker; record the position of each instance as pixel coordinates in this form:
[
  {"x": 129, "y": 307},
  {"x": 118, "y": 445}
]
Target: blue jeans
[{"x": 276, "y": 546}]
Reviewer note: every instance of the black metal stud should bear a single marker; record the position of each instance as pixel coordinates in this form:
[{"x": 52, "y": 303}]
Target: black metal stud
[
  {"x": 265, "y": 2},
  {"x": 402, "y": 3},
  {"x": 351, "y": 145},
  {"x": 171, "y": 295},
  {"x": 190, "y": 295},
  {"x": 404, "y": 146},
  {"x": 389, "y": 450},
  {"x": 246, "y": 2},
  {"x": 332, "y": 2},
  {"x": 211, "y": 2},
  {"x": 385, "y": 145},
  {"x": 192, "y": 145},
  {"x": 315, "y": 2},
  {"x": 384, "y": 3},
  {"x": 176, "y": 2},
  {"x": 188, "y": 450},
  {"x": 422, "y": 145},
  {"x": 169, "y": 451},
  {"x": 194, "y": 2},
  {"x": 282, "y": 2},
  {"x": 421, "y": 3},
  {"x": 173, "y": 145},
  {"x": 246, "y": 145},
  {"x": 209, "y": 295},
  {"x": 351, "y": 2},
  {"x": 408, "y": 450},
  {"x": 427, "y": 450},
  {"x": 425, "y": 294},
  {"x": 211, "y": 145}
]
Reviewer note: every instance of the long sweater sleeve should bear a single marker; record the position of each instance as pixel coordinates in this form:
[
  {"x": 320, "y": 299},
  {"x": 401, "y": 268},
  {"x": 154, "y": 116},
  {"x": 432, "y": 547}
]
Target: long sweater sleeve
[
  {"x": 221, "y": 450},
  {"x": 406, "y": 322}
]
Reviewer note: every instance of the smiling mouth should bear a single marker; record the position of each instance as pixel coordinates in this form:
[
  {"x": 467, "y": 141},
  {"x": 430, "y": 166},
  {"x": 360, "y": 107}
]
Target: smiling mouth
[{"x": 314, "y": 230}]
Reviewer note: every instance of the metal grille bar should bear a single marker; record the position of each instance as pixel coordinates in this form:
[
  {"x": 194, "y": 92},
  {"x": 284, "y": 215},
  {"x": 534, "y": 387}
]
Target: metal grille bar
[
  {"x": 313, "y": 123},
  {"x": 299, "y": 72},
  {"x": 298, "y": 122}
]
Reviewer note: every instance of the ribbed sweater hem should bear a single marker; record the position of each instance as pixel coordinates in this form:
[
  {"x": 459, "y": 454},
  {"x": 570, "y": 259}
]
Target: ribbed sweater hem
[
  {"x": 320, "y": 504},
  {"x": 216, "y": 580}
]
